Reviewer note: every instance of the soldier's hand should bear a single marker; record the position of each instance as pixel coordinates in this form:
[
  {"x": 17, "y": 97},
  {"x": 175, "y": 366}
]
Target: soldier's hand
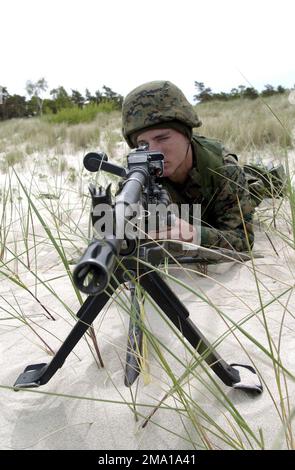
[{"x": 180, "y": 231}]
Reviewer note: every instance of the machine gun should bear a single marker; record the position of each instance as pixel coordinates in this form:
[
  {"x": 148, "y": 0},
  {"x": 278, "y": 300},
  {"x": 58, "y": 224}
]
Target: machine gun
[{"x": 120, "y": 257}]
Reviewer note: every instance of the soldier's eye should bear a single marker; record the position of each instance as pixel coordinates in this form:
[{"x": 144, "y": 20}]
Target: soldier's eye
[{"x": 143, "y": 143}]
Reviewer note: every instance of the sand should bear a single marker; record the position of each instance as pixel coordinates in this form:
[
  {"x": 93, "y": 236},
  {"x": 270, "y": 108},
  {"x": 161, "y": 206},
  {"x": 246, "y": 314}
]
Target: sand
[{"x": 84, "y": 406}]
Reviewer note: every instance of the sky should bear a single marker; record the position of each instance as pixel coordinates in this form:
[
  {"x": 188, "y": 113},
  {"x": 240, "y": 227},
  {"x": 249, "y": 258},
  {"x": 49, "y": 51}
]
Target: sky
[{"x": 82, "y": 44}]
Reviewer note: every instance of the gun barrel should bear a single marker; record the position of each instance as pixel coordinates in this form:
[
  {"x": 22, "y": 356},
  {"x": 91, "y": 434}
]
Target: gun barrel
[{"x": 92, "y": 273}]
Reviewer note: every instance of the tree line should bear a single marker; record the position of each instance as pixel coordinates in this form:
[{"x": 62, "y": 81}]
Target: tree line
[
  {"x": 17, "y": 106},
  {"x": 205, "y": 94}
]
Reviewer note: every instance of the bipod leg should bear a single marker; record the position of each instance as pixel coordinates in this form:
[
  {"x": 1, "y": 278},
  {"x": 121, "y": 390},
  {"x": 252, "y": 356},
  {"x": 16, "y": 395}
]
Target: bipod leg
[
  {"x": 236, "y": 375},
  {"x": 134, "y": 342},
  {"x": 39, "y": 374}
]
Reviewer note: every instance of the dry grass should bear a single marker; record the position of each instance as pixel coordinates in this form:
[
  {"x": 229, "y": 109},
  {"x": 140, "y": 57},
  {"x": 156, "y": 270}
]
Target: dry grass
[
  {"x": 244, "y": 125},
  {"x": 35, "y": 135}
]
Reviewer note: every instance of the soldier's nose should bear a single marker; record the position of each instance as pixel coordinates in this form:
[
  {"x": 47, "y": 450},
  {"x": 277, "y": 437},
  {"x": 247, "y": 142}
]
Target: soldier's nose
[{"x": 153, "y": 146}]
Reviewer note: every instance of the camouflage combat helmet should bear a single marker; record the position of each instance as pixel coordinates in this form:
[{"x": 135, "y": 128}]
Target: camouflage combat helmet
[{"x": 155, "y": 103}]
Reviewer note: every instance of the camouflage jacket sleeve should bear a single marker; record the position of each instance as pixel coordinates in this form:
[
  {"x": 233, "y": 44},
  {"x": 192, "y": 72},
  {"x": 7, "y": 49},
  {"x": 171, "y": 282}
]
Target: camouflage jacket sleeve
[{"x": 230, "y": 206}]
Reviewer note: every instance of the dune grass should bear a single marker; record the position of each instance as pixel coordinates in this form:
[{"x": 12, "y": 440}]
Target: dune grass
[
  {"x": 264, "y": 124},
  {"x": 46, "y": 215},
  {"x": 36, "y": 135}
]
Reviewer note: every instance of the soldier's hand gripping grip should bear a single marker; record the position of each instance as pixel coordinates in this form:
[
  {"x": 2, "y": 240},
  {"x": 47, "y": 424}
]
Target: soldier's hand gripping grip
[{"x": 93, "y": 271}]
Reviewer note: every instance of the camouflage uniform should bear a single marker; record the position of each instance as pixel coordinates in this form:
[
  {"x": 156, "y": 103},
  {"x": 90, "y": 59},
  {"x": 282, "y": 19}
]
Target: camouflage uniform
[
  {"x": 216, "y": 181},
  {"x": 221, "y": 188}
]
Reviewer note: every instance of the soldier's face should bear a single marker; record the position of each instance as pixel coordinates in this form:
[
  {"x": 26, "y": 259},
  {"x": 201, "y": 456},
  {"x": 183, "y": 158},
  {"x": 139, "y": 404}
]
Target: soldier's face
[{"x": 175, "y": 148}]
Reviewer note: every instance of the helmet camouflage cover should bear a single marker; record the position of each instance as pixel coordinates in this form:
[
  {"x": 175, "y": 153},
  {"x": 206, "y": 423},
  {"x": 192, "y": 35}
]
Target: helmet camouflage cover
[{"x": 154, "y": 103}]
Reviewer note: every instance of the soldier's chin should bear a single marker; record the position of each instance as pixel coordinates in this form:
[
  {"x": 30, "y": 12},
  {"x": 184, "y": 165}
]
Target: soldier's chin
[{"x": 166, "y": 172}]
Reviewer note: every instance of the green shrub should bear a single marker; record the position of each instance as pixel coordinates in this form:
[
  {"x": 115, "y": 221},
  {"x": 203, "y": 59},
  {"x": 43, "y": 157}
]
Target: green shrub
[
  {"x": 75, "y": 115},
  {"x": 107, "y": 107}
]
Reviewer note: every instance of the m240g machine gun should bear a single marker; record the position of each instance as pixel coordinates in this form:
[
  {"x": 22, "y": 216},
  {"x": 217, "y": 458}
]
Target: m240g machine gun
[{"x": 122, "y": 256}]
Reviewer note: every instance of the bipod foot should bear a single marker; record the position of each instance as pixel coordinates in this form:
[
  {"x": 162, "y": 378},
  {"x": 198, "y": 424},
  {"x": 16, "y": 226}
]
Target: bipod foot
[
  {"x": 39, "y": 374},
  {"x": 249, "y": 380},
  {"x": 237, "y": 376},
  {"x": 31, "y": 377}
]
